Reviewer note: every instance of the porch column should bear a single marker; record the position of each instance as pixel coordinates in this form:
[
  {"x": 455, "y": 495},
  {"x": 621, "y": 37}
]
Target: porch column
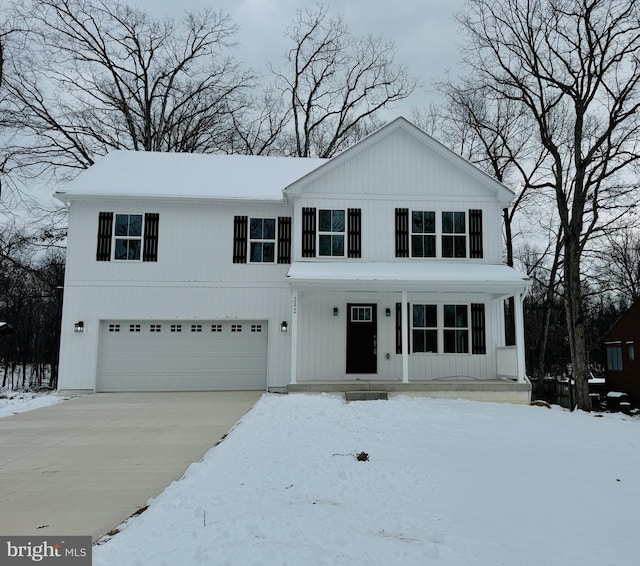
[
  {"x": 294, "y": 337},
  {"x": 518, "y": 300},
  {"x": 405, "y": 338}
]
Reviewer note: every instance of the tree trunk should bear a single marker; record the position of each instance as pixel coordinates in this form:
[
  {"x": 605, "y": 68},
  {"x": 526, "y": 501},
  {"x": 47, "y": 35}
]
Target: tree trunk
[{"x": 575, "y": 324}]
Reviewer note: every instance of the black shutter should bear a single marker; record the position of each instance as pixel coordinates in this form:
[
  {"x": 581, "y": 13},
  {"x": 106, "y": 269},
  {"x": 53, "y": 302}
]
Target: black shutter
[
  {"x": 308, "y": 232},
  {"x": 105, "y": 227},
  {"x": 475, "y": 233},
  {"x": 240, "y": 239},
  {"x": 478, "y": 337},
  {"x": 402, "y": 232},
  {"x": 399, "y": 327},
  {"x": 151, "y": 225},
  {"x": 284, "y": 239},
  {"x": 354, "y": 232}
]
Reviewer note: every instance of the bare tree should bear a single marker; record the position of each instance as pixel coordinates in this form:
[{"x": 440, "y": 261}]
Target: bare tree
[
  {"x": 494, "y": 133},
  {"x": 337, "y": 84},
  {"x": 574, "y": 65},
  {"x": 94, "y": 75},
  {"x": 618, "y": 268}
]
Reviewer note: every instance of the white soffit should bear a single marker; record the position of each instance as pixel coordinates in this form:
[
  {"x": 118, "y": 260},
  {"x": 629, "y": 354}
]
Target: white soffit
[{"x": 416, "y": 276}]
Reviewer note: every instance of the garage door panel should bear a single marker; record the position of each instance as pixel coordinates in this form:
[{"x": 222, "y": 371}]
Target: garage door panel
[{"x": 182, "y": 356}]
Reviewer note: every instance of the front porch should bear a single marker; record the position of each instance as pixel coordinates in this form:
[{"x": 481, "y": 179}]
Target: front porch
[{"x": 492, "y": 390}]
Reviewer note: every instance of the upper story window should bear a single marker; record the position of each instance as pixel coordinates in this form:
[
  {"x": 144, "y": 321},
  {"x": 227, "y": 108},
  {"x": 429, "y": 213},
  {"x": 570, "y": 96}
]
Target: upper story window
[
  {"x": 430, "y": 234},
  {"x": 331, "y": 230},
  {"x": 454, "y": 234},
  {"x": 423, "y": 233},
  {"x": 127, "y": 237},
  {"x": 331, "y": 233},
  {"x": 262, "y": 240}
]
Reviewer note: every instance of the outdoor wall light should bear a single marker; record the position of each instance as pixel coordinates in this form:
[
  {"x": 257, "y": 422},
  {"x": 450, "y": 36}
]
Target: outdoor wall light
[
  {"x": 284, "y": 327},
  {"x": 335, "y": 311},
  {"x": 78, "y": 326},
  {"x": 387, "y": 311}
]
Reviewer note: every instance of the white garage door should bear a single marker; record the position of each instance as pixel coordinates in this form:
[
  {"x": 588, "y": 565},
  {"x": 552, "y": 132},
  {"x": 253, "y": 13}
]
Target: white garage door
[{"x": 182, "y": 355}]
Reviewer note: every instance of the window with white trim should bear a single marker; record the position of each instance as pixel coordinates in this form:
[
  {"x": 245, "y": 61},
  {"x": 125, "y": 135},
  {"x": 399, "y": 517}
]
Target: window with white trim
[
  {"x": 456, "y": 329},
  {"x": 331, "y": 231},
  {"x": 127, "y": 235},
  {"x": 454, "y": 234},
  {"x": 424, "y": 328},
  {"x": 423, "y": 233},
  {"x": 262, "y": 240}
]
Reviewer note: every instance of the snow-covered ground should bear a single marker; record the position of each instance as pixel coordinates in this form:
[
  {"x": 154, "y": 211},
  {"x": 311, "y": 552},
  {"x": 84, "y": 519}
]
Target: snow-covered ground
[
  {"x": 446, "y": 483},
  {"x": 12, "y": 403}
]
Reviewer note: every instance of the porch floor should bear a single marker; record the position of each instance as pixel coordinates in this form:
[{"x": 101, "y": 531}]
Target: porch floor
[{"x": 497, "y": 390}]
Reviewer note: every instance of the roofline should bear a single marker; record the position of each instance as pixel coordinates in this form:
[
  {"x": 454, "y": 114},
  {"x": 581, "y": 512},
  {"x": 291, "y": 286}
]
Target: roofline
[
  {"x": 66, "y": 198},
  {"x": 400, "y": 123}
]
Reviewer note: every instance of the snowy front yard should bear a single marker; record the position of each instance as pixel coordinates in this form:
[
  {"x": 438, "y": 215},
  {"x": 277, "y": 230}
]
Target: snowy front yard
[
  {"x": 446, "y": 483},
  {"x": 12, "y": 403}
]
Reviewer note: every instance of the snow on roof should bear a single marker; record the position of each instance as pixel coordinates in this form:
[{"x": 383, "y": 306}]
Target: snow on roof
[
  {"x": 189, "y": 175},
  {"x": 439, "y": 275}
]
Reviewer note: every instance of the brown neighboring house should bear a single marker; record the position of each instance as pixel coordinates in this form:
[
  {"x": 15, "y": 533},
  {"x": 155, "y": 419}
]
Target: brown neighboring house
[{"x": 622, "y": 363}]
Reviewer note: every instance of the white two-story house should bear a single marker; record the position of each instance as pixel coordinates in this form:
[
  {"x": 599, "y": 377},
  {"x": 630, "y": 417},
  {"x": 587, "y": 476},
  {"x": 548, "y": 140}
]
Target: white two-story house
[{"x": 382, "y": 265}]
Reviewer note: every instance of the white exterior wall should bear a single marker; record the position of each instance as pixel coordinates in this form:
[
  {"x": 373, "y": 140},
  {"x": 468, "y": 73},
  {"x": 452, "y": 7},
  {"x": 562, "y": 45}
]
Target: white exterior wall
[
  {"x": 194, "y": 278},
  {"x": 322, "y": 344},
  {"x": 397, "y": 172}
]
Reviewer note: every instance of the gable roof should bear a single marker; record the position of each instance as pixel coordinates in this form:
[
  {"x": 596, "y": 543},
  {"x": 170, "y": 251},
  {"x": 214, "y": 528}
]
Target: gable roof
[
  {"x": 502, "y": 192},
  {"x": 142, "y": 174}
]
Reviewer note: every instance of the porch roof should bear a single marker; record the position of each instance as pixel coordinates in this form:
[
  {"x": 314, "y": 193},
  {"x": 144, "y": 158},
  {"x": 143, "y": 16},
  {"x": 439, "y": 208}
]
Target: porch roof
[{"x": 416, "y": 276}]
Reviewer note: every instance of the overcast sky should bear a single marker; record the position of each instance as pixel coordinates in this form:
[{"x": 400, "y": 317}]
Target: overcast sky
[{"x": 424, "y": 31}]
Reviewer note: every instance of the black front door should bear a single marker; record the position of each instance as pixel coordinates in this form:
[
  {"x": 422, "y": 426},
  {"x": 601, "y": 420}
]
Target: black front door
[{"x": 362, "y": 339}]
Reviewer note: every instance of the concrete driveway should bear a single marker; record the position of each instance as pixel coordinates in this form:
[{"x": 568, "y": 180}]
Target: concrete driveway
[{"x": 83, "y": 466}]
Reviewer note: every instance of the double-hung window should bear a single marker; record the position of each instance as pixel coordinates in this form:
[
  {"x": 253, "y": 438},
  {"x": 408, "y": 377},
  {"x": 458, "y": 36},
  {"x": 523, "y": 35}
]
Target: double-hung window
[
  {"x": 424, "y": 331},
  {"x": 331, "y": 231},
  {"x": 128, "y": 237},
  {"x": 423, "y": 233},
  {"x": 454, "y": 234},
  {"x": 456, "y": 329},
  {"x": 262, "y": 240}
]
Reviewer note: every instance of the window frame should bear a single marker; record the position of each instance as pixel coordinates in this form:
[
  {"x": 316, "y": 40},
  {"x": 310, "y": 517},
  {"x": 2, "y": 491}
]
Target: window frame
[
  {"x": 616, "y": 360},
  {"x": 251, "y": 240},
  {"x": 128, "y": 238},
  {"x": 425, "y": 329},
  {"x": 454, "y": 235},
  {"x": 423, "y": 234},
  {"x": 331, "y": 233},
  {"x": 457, "y": 330}
]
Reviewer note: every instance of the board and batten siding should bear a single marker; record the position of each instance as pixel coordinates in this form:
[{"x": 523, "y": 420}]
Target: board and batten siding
[
  {"x": 322, "y": 349},
  {"x": 378, "y": 224},
  {"x": 195, "y": 243},
  {"x": 194, "y": 278},
  {"x": 399, "y": 164}
]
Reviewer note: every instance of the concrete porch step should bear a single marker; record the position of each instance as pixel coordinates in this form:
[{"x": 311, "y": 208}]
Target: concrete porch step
[{"x": 366, "y": 396}]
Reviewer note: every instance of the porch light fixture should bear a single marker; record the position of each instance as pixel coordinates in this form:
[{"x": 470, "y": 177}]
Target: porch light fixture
[
  {"x": 284, "y": 327},
  {"x": 335, "y": 311},
  {"x": 78, "y": 326},
  {"x": 387, "y": 311}
]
